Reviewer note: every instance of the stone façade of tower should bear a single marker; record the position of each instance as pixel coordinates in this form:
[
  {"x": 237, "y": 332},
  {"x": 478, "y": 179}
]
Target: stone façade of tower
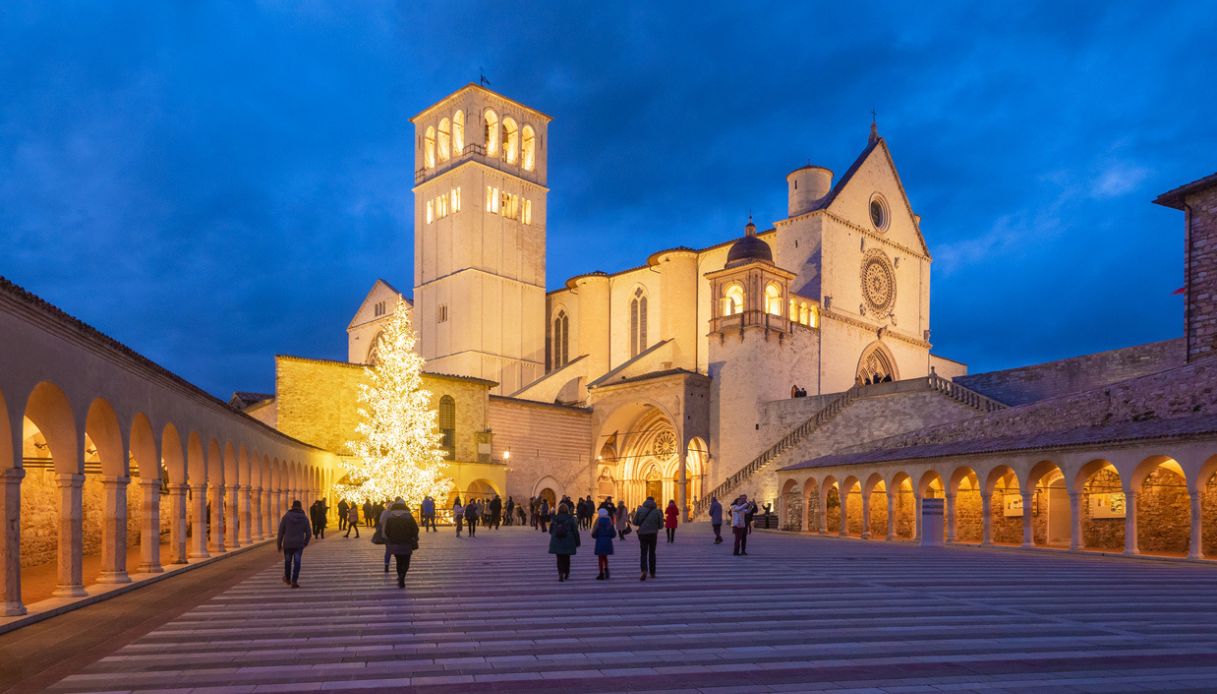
[{"x": 479, "y": 237}]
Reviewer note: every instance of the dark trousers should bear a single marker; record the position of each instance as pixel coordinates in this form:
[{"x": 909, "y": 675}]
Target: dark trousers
[
  {"x": 473, "y": 527},
  {"x": 355, "y": 527},
  {"x": 671, "y": 534},
  {"x": 429, "y": 523},
  {"x": 647, "y": 545},
  {"x": 563, "y": 564},
  {"x": 403, "y": 565},
  {"x": 718, "y": 532},
  {"x": 291, "y": 563},
  {"x": 342, "y": 521},
  {"x": 741, "y": 540},
  {"x": 543, "y": 522}
]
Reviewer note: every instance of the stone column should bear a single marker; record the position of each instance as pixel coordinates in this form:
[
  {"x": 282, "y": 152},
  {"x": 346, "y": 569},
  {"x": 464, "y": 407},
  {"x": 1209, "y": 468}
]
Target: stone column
[
  {"x": 247, "y": 519},
  {"x": 177, "y": 524},
  {"x": 822, "y": 514},
  {"x": 150, "y": 527},
  {"x": 10, "y": 540},
  {"x": 844, "y": 530},
  {"x": 919, "y": 529},
  {"x": 1195, "y": 548},
  {"x": 70, "y": 581},
  {"x": 950, "y": 519},
  {"x": 198, "y": 521},
  {"x": 891, "y": 517},
  {"x": 866, "y": 516},
  {"x": 1028, "y": 518},
  {"x": 1075, "y": 521},
  {"x": 682, "y": 489},
  {"x": 1130, "y": 522},
  {"x": 215, "y": 539},
  {"x": 232, "y": 527},
  {"x": 114, "y": 530},
  {"x": 986, "y": 518}
]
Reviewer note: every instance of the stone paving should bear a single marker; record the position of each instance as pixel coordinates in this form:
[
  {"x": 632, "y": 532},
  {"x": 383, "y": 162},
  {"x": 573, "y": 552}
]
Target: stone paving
[{"x": 799, "y": 614}]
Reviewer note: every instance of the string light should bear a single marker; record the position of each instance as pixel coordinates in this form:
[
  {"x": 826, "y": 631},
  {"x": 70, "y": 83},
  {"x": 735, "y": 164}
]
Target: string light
[{"x": 400, "y": 451}]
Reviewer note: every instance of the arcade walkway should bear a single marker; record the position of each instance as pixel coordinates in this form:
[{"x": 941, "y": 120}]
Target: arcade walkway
[{"x": 799, "y": 614}]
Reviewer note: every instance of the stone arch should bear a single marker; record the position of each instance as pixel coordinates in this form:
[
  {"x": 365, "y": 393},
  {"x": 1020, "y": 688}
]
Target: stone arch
[
  {"x": 1163, "y": 506},
  {"x": 904, "y": 505},
  {"x": 481, "y": 488},
  {"x": 851, "y": 506},
  {"x": 833, "y": 516},
  {"x": 790, "y": 506},
  {"x": 103, "y": 429},
  {"x": 1206, "y": 488},
  {"x": 52, "y": 456},
  {"x": 1102, "y": 504},
  {"x": 1003, "y": 487},
  {"x": 1051, "y": 517},
  {"x": 528, "y": 148},
  {"x": 965, "y": 522},
  {"x": 811, "y": 505},
  {"x": 50, "y": 413},
  {"x": 876, "y": 364},
  {"x": 876, "y": 488}
]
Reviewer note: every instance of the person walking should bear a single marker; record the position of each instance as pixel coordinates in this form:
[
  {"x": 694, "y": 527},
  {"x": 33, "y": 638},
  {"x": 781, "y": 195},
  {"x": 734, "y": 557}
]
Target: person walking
[
  {"x": 603, "y": 533},
  {"x": 716, "y": 519},
  {"x": 623, "y": 520},
  {"x": 458, "y": 515},
  {"x": 510, "y": 514},
  {"x": 400, "y": 532},
  {"x": 472, "y": 510},
  {"x": 671, "y": 520},
  {"x": 294, "y": 533},
  {"x": 648, "y": 518},
  {"x": 343, "y": 507},
  {"x": 367, "y": 513},
  {"x": 739, "y": 525},
  {"x": 353, "y": 521},
  {"x": 496, "y": 512},
  {"x": 429, "y": 514},
  {"x": 543, "y": 514},
  {"x": 563, "y": 540}
]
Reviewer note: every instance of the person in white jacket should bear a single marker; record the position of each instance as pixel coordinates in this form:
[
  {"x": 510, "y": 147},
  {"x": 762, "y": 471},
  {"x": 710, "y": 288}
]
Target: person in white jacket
[{"x": 739, "y": 524}]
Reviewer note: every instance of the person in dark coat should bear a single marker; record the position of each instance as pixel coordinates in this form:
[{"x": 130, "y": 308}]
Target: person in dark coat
[
  {"x": 496, "y": 512},
  {"x": 342, "y": 514},
  {"x": 400, "y": 531},
  {"x": 671, "y": 520},
  {"x": 716, "y": 519},
  {"x": 604, "y": 533},
  {"x": 367, "y": 513},
  {"x": 543, "y": 514},
  {"x": 294, "y": 533},
  {"x": 472, "y": 511},
  {"x": 353, "y": 521},
  {"x": 510, "y": 511},
  {"x": 563, "y": 540},
  {"x": 647, "y": 520}
]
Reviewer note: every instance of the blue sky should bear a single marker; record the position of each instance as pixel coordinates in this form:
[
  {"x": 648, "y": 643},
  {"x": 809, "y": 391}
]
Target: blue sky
[{"x": 215, "y": 183}]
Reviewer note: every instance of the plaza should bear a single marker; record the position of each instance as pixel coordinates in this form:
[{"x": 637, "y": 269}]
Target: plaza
[{"x": 799, "y": 613}]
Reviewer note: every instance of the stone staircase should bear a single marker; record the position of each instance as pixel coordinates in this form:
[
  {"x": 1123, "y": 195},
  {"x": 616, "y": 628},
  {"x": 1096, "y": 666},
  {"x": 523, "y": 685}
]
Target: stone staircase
[{"x": 770, "y": 455}]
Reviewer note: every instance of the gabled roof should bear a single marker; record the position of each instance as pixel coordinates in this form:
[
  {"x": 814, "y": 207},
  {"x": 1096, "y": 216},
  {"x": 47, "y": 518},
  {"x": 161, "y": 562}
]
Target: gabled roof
[
  {"x": 877, "y": 143},
  {"x": 242, "y": 399},
  {"x": 474, "y": 87},
  {"x": 368, "y": 297},
  {"x": 1175, "y": 198}
]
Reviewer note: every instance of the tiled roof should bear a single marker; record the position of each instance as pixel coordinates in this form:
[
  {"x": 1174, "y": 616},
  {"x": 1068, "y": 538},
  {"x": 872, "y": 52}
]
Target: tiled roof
[
  {"x": 1122, "y": 432},
  {"x": 1174, "y": 198},
  {"x": 243, "y": 398}
]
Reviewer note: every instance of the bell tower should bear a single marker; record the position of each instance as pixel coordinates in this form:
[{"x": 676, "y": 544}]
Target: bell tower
[{"x": 479, "y": 237}]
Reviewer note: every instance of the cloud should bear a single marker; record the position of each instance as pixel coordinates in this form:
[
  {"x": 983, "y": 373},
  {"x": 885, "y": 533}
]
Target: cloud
[{"x": 1117, "y": 179}]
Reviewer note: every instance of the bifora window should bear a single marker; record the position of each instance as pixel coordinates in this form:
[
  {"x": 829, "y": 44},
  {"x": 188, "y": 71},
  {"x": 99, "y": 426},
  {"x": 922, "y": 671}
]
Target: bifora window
[
  {"x": 492, "y": 133},
  {"x": 638, "y": 323},
  {"x": 733, "y": 299},
  {"x": 561, "y": 348},
  {"x": 773, "y": 299}
]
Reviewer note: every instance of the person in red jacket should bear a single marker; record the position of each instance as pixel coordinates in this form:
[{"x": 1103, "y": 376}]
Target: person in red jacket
[{"x": 671, "y": 518}]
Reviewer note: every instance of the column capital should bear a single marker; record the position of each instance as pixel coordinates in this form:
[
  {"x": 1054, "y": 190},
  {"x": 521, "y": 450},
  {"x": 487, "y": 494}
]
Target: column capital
[
  {"x": 13, "y": 474},
  {"x": 69, "y": 479},
  {"x": 109, "y": 480}
]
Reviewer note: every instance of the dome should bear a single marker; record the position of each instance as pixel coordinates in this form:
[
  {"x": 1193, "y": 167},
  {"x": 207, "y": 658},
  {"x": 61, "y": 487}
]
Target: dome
[{"x": 749, "y": 249}]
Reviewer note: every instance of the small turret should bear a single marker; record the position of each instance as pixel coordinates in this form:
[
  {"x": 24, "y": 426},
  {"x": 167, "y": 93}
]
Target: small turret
[{"x": 807, "y": 187}]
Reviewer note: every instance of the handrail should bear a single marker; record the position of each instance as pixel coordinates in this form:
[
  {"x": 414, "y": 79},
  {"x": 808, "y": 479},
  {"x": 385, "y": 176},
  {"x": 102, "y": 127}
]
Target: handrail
[{"x": 963, "y": 394}]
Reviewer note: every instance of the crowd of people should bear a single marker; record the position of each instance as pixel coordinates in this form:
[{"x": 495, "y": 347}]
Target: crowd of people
[{"x": 607, "y": 522}]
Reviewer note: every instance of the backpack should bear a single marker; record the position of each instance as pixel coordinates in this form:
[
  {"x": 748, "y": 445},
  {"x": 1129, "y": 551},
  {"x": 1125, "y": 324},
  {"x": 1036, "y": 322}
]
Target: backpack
[
  {"x": 560, "y": 531},
  {"x": 397, "y": 530}
]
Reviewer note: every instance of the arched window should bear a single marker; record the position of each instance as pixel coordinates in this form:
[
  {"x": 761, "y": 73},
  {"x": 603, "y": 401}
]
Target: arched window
[
  {"x": 773, "y": 299},
  {"x": 458, "y": 133},
  {"x": 491, "y": 136},
  {"x": 561, "y": 349},
  {"x": 529, "y": 148},
  {"x": 447, "y": 426},
  {"x": 511, "y": 141},
  {"x": 638, "y": 323},
  {"x": 429, "y": 148},
  {"x": 733, "y": 299},
  {"x": 876, "y": 365},
  {"x": 374, "y": 350},
  {"x": 445, "y": 140}
]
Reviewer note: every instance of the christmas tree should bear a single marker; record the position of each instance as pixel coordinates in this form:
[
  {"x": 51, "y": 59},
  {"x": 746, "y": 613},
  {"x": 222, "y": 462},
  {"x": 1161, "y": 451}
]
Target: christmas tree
[{"x": 398, "y": 452}]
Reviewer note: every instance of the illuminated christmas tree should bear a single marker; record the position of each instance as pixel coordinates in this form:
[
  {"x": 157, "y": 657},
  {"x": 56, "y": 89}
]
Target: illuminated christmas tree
[{"x": 399, "y": 452}]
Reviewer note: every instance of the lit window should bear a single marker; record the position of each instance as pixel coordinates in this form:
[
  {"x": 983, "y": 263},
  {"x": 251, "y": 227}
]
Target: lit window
[
  {"x": 458, "y": 134},
  {"x": 511, "y": 141},
  {"x": 491, "y": 137},
  {"x": 773, "y": 299},
  {"x": 527, "y": 211},
  {"x": 794, "y": 311},
  {"x": 441, "y": 207},
  {"x": 430, "y": 211},
  {"x": 493, "y": 199},
  {"x": 733, "y": 299},
  {"x": 456, "y": 199},
  {"x": 529, "y": 148},
  {"x": 445, "y": 140},
  {"x": 429, "y": 148}
]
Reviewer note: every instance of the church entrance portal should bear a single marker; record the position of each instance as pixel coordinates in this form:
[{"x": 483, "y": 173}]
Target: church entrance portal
[{"x": 655, "y": 490}]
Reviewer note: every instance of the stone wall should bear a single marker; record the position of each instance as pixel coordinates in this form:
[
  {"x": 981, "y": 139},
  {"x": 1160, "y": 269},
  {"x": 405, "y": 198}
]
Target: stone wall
[
  {"x": 1163, "y": 513},
  {"x": 1056, "y": 378},
  {"x": 1202, "y": 274},
  {"x": 1101, "y": 533},
  {"x": 545, "y": 441}
]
